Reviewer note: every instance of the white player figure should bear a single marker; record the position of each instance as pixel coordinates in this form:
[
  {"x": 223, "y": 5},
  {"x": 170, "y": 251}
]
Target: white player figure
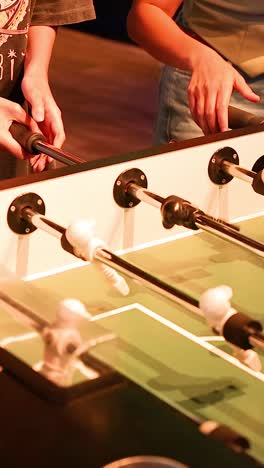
[
  {"x": 216, "y": 306},
  {"x": 80, "y": 234},
  {"x": 62, "y": 339}
]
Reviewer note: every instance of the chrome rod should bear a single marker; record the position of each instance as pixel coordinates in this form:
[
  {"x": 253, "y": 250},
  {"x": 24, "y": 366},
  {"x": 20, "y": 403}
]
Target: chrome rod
[
  {"x": 43, "y": 223},
  {"x": 151, "y": 281},
  {"x": 203, "y": 221},
  {"x": 236, "y": 171},
  {"x": 157, "y": 285},
  {"x": 116, "y": 262},
  {"x": 221, "y": 230},
  {"x": 22, "y": 313},
  {"x": 145, "y": 195},
  {"x": 257, "y": 342},
  {"x": 119, "y": 263}
]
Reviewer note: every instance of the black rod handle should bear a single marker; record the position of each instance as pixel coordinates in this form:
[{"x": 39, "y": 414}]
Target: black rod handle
[
  {"x": 36, "y": 143},
  {"x": 58, "y": 154},
  {"x": 238, "y": 118},
  {"x": 25, "y": 137}
]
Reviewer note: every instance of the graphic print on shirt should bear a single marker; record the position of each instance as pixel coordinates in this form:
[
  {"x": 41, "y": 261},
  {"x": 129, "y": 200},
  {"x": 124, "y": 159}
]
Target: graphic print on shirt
[
  {"x": 12, "y": 13},
  {"x": 14, "y": 24}
]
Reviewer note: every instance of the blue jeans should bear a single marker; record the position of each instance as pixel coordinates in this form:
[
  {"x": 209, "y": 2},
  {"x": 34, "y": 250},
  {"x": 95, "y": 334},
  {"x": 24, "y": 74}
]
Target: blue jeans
[{"x": 174, "y": 121}]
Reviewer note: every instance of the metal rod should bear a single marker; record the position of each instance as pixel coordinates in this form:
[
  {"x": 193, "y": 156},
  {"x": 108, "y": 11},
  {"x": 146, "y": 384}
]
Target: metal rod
[
  {"x": 58, "y": 154},
  {"x": 236, "y": 171},
  {"x": 122, "y": 265},
  {"x": 35, "y": 143},
  {"x": 26, "y": 315},
  {"x": 221, "y": 230},
  {"x": 203, "y": 221},
  {"x": 29, "y": 317},
  {"x": 149, "y": 280},
  {"x": 43, "y": 223},
  {"x": 144, "y": 195},
  {"x": 114, "y": 261},
  {"x": 166, "y": 290},
  {"x": 108, "y": 258},
  {"x": 257, "y": 341}
]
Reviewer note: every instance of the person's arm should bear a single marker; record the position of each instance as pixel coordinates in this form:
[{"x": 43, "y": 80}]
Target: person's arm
[
  {"x": 150, "y": 24},
  {"x": 36, "y": 89}
]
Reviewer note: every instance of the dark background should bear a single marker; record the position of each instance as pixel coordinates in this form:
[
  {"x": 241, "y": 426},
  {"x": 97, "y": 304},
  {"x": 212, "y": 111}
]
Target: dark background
[{"x": 110, "y": 20}]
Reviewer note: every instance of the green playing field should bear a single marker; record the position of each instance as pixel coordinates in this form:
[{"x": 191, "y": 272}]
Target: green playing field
[{"x": 159, "y": 344}]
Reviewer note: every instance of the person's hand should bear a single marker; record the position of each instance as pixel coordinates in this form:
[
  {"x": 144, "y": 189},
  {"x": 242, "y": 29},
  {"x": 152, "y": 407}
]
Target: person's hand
[
  {"x": 9, "y": 112},
  {"x": 46, "y": 113},
  {"x": 212, "y": 83}
]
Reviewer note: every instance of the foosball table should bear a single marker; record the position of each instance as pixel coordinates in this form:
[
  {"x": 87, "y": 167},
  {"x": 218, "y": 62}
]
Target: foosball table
[{"x": 131, "y": 307}]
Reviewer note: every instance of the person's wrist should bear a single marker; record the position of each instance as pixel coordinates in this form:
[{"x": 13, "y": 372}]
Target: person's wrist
[
  {"x": 202, "y": 54},
  {"x": 35, "y": 72},
  {"x": 35, "y": 68}
]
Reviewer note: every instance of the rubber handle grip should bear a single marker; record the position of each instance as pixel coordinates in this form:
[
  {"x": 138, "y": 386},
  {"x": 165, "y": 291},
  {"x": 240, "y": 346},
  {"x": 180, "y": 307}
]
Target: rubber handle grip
[
  {"x": 25, "y": 137},
  {"x": 238, "y": 118}
]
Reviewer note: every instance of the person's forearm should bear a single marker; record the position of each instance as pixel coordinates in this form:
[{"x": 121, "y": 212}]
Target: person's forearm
[
  {"x": 155, "y": 31},
  {"x": 39, "y": 49}
]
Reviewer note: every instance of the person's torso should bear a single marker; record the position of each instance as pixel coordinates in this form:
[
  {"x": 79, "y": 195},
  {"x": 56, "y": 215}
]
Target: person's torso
[{"x": 235, "y": 28}]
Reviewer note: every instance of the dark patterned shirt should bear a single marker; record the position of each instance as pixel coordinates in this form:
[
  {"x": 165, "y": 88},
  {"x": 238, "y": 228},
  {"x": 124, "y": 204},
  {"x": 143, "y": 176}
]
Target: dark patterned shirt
[{"x": 15, "y": 18}]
